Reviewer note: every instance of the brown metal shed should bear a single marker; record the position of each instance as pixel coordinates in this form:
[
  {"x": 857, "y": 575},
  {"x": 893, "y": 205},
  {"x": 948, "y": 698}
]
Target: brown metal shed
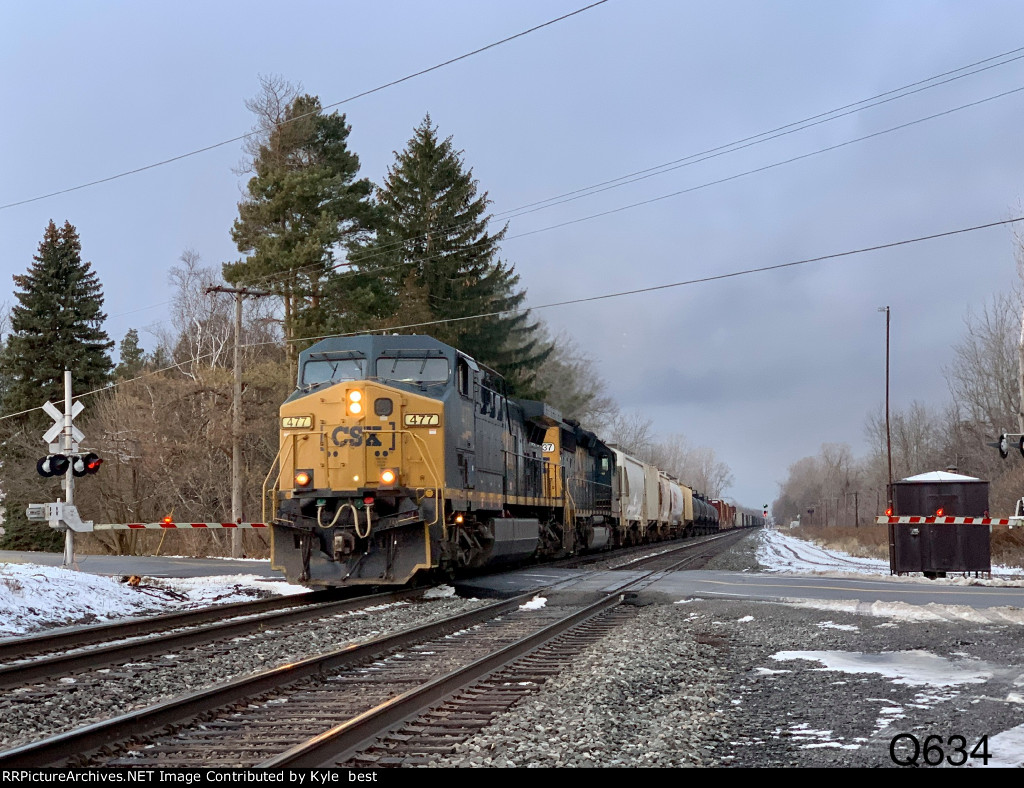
[
  {"x": 923, "y": 495},
  {"x": 937, "y": 548}
]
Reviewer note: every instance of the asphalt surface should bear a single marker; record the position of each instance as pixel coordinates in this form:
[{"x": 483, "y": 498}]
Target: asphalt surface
[{"x": 148, "y": 566}]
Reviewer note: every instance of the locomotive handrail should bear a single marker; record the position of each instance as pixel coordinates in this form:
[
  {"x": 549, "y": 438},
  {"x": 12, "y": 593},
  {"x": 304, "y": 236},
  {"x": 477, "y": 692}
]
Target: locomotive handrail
[
  {"x": 429, "y": 462},
  {"x": 279, "y": 462},
  {"x": 569, "y": 507}
]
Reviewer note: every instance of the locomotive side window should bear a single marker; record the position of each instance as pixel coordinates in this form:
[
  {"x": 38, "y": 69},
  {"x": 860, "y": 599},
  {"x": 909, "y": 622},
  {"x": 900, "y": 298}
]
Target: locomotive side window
[{"x": 462, "y": 373}]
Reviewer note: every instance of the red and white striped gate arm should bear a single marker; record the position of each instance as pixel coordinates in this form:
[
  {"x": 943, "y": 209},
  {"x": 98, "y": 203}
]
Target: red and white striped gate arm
[
  {"x": 166, "y": 525},
  {"x": 883, "y": 520}
]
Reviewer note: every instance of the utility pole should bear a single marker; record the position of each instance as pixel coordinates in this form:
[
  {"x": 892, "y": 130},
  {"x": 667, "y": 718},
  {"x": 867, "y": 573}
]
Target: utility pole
[
  {"x": 888, "y": 431},
  {"x": 68, "y": 443},
  {"x": 236, "y": 413}
]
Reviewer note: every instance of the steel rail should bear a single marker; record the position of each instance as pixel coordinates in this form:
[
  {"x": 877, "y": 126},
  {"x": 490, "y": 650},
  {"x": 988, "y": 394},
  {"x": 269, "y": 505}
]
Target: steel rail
[
  {"x": 73, "y": 637},
  {"x": 343, "y": 741},
  {"x": 21, "y": 673},
  {"x": 59, "y": 750}
]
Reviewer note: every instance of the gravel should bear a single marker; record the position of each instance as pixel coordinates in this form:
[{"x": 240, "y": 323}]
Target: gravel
[
  {"x": 714, "y": 683},
  {"x": 43, "y": 709},
  {"x": 686, "y": 683}
]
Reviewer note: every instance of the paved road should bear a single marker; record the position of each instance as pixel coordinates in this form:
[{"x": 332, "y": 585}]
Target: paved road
[
  {"x": 150, "y": 566},
  {"x": 755, "y": 586}
]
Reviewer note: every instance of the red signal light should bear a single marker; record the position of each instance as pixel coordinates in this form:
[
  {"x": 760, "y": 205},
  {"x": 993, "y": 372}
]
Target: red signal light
[{"x": 940, "y": 512}]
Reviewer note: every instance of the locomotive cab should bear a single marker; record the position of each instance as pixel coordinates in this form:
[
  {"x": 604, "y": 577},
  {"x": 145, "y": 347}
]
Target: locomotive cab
[
  {"x": 362, "y": 455},
  {"x": 397, "y": 455}
]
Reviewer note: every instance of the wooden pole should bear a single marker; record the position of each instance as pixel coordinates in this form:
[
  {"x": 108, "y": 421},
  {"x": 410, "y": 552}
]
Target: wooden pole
[{"x": 236, "y": 414}]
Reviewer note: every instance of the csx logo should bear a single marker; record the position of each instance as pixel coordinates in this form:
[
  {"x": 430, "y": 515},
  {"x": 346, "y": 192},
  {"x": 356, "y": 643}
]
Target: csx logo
[{"x": 354, "y": 436}]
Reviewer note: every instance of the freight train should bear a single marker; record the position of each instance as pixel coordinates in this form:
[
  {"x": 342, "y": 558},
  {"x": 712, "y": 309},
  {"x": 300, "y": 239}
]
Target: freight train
[{"x": 403, "y": 460}]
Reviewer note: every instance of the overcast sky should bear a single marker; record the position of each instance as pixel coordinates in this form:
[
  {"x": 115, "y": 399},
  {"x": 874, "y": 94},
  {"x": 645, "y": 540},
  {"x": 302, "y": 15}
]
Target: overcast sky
[{"x": 763, "y": 368}]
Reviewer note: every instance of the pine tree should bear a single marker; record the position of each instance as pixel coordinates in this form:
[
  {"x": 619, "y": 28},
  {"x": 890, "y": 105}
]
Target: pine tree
[
  {"x": 56, "y": 324},
  {"x": 303, "y": 204},
  {"x": 133, "y": 358},
  {"x": 434, "y": 256}
]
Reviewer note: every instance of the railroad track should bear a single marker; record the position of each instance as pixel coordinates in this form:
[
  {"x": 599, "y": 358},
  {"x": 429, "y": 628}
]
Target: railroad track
[
  {"x": 66, "y": 638},
  {"x": 649, "y": 556},
  {"x": 112, "y": 644},
  {"x": 392, "y": 701}
]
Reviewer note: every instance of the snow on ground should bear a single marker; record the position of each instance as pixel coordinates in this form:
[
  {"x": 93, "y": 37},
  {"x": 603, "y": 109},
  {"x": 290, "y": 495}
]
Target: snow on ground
[
  {"x": 939, "y": 679},
  {"x": 779, "y": 552},
  {"x": 35, "y": 597}
]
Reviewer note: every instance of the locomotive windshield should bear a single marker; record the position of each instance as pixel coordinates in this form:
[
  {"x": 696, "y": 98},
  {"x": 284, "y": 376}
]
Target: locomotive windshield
[
  {"x": 323, "y": 368},
  {"x": 412, "y": 370}
]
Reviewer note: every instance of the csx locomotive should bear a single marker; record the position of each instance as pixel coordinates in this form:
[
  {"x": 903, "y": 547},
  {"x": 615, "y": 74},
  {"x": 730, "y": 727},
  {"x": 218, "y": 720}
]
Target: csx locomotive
[{"x": 403, "y": 459}]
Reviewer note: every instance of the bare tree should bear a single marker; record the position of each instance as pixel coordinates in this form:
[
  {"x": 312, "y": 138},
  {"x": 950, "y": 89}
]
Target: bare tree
[
  {"x": 801, "y": 494},
  {"x": 200, "y": 333},
  {"x": 5, "y": 319},
  {"x": 697, "y": 467},
  {"x": 984, "y": 376},
  {"x": 705, "y": 472},
  {"x": 269, "y": 106},
  {"x": 569, "y": 376},
  {"x": 631, "y": 432}
]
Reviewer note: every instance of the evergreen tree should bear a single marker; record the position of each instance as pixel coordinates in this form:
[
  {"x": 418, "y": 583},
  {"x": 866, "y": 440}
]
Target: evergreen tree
[
  {"x": 56, "y": 324},
  {"x": 133, "y": 358},
  {"x": 434, "y": 257},
  {"x": 303, "y": 204}
]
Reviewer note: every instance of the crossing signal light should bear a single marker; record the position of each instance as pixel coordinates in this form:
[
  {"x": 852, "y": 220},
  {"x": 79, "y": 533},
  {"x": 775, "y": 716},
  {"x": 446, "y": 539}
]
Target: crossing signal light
[
  {"x": 58, "y": 464},
  {"x": 86, "y": 464},
  {"x": 53, "y": 465}
]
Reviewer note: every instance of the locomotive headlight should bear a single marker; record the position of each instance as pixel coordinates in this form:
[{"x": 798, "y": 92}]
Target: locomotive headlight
[
  {"x": 355, "y": 403},
  {"x": 388, "y": 476},
  {"x": 303, "y": 480}
]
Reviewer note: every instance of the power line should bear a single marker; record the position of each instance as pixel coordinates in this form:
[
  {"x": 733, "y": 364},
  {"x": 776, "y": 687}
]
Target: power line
[
  {"x": 584, "y": 300},
  {"x": 299, "y": 117},
  {"x": 690, "y": 189},
  {"x": 700, "y": 280},
  {"x": 780, "y": 131},
  {"x": 770, "y": 166},
  {"x": 721, "y": 150},
  {"x": 269, "y": 278},
  {"x": 694, "y": 158}
]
